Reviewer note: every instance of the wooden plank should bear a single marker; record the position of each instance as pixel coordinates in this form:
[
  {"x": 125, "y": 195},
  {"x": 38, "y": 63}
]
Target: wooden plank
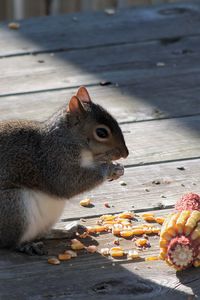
[
  {"x": 75, "y": 30},
  {"x": 127, "y": 64},
  {"x": 93, "y": 276},
  {"x": 170, "y": 96},
  {"x": 140, "y": 193}
]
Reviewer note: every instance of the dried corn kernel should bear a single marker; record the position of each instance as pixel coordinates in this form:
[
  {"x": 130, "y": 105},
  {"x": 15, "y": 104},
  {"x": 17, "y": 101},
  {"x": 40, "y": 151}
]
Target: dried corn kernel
[
  {"x": 160, "y": 220},
  {"x": 91, "y": 249},
  {"x": 64, "y": 256},
  {"x": 149, "y": 258},
  {"x": 85, "y": 202},
  {"x": 182, "y": 219},
  {"x": 70, "y": 252},
  {"x": 138, "y": 231},
  {"x": 116, "y": 252},
  {"x": 126, "y": 215},
  {"x": 149, "y": 218},
  {"x": 97, "y": 228},
  {"x": 191, "y": 222},
  {"x": 126, "y": 233},
  {"x": 133, "y": 254},
  {"x": 108, "y": 217},
  {"x": 14, "y": 25},
  {"x": 76, "y": 245},
  {"x": 105, "y": 251},
  {"x": 141, "y": 242},
  {"x": 53, "y": 261},
  {"x": 156, "y": 230}
]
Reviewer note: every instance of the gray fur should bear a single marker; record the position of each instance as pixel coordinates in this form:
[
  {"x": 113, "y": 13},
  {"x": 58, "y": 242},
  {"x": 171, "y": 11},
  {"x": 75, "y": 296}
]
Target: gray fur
[{"x": 46, "y": 157}]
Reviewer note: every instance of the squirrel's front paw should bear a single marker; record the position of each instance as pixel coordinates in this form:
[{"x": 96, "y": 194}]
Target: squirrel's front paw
[{"x": 115, "y": 171}]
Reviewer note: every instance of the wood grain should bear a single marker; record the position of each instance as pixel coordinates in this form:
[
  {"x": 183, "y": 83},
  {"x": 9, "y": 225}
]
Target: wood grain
[
  {"x": 106, "y": 278},
  {"x": 171, "y": 96},
  {"x": 140, "y": 193},
  {"x": 131, "y": 25},
  {"x": 120, "y": 64}
]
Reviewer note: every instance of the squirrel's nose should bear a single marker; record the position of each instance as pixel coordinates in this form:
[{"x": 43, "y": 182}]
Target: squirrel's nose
[{"x": 124, "y": 152}]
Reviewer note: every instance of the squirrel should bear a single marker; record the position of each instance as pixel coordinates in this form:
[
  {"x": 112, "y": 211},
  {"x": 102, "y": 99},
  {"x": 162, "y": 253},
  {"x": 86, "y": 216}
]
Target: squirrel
[{"x": 42, "y": 164}]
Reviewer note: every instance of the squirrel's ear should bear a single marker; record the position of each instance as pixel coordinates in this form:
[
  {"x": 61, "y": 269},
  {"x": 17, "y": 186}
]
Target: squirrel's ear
[
  {"x": 75, "y": 106},
  {"x": 83, "y": 95}
]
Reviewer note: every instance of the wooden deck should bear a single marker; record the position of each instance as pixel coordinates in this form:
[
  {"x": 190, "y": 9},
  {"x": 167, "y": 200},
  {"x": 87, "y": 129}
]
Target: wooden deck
[{"x": 151, "y": 58}]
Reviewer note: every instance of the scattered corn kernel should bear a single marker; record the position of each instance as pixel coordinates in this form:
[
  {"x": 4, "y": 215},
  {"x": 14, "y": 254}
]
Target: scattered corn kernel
[
  {"x": 160, "y": 220},
  {"x": 149, "y": 218},
  {"x": 149, "y": 258},
  {"x": 85, "y": 202},
  {"x": 53, "y": 261},
  {"x": 108, "y": 217},
  {"x": 133, "y": 254},
  {"x": 76, "y": 245},
  {"x": 14, "y": 25},
  {"x": 91, "y": 249},
  {"x": 138, "y": 231},
  {"x": 141, "y": 242},
  {"x": 116, "y": 252},
  {"x": 126, "y": 233},
  {"x": 126, "y": 215},
  {"x": 105, "y": 251},
  {"x": 97, "y": 228},
  {"x": 70, "y": 252},
  {"x": 64, "y": 256}
]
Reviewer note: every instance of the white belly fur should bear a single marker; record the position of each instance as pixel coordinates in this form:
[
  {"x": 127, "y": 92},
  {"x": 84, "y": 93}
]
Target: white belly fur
[{"x": 43, "y": 212}]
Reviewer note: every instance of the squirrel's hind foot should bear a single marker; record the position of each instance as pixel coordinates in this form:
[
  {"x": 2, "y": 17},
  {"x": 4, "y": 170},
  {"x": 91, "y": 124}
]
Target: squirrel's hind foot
[{"x": 32, "y": 248}]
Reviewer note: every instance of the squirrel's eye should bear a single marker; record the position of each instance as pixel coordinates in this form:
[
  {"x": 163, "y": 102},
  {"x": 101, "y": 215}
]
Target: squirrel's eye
[{"x": 102, "y": 133}]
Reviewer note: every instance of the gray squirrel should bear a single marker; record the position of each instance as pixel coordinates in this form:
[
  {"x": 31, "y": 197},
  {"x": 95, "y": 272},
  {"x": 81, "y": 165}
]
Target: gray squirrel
[{"x": 44, "y": 163}]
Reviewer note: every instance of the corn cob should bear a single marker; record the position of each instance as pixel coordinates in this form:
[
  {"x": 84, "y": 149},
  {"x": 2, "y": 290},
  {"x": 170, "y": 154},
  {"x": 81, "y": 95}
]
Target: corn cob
[{"x": 180, "y": 237}]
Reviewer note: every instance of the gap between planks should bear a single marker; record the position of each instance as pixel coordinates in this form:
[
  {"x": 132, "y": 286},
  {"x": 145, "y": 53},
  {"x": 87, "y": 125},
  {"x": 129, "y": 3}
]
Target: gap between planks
[{"x": 141, "y": 192}]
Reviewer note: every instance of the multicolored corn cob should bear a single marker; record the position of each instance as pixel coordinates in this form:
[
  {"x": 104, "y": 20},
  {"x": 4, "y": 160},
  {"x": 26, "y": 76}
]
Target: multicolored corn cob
[{"x": 180, "y": 234}]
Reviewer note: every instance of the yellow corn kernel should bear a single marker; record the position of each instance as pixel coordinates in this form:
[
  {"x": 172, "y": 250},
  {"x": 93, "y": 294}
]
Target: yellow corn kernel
[
  {"x": 149, "y": 258},
  {"x": 147, "y": 215},
  {"x": 149, "y": 218},
  {"x": 85, "y": 202},
  {"x": 163, "y": 243},
  {"x": 97, "y": 228},
  {"x": 76, "y": 245},
  {"x": 124, "y": 222},
  {"x": 191, "y": 222},
  {"x": 141, "y": 242},
  {"x": 182, "y": 219},
  {"x": 163, "y": 253},
  {"x": 108, "y": 217},
  {"x": 160, "y": 220},
  {"x": 116, "y": 229},
  {"x": 64, "y": 256},
  {"x": 126, "y": 233},
  {"x": 148, "y": 230},
  {"x": 138, "y": 231},
  {"x": 168, "y": 229},
  {"x": 126, "y": 215},
  {"x": 171, "y": 227},
  {"x": 196, "y": 233},
  {"x": 156, "y": 230},
  {"x": 116, "y": 252}
]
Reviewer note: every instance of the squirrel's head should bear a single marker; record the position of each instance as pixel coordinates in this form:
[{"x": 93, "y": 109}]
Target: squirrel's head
[{"x": 101, "y": 131}]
